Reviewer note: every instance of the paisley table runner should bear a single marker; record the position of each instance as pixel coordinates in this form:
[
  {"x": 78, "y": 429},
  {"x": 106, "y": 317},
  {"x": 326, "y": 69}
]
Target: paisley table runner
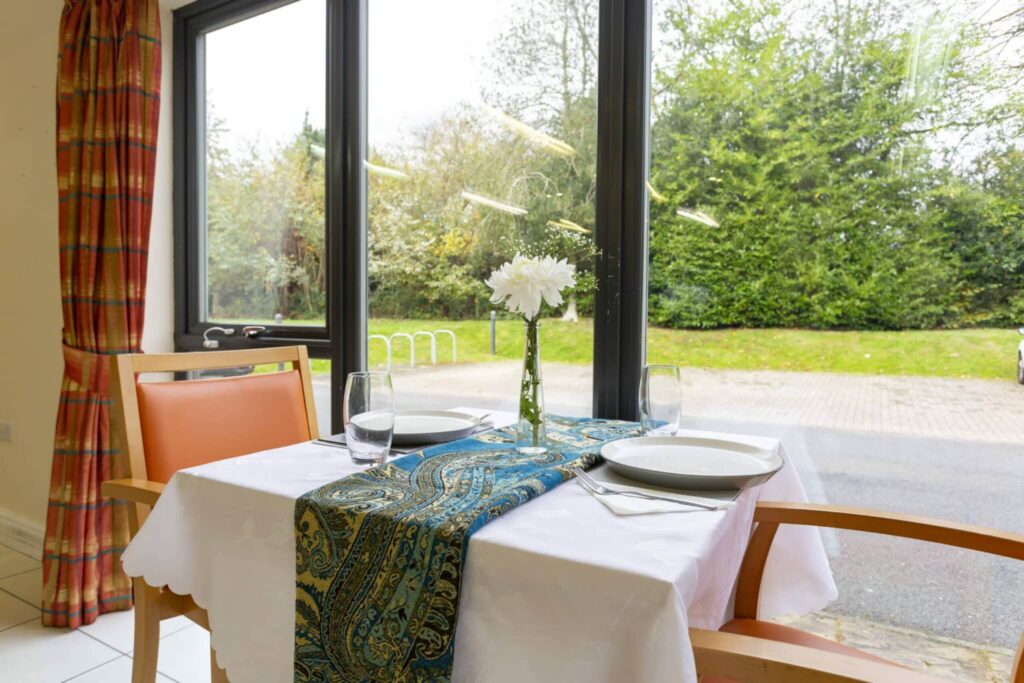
[{"x": 379, "y": 554}]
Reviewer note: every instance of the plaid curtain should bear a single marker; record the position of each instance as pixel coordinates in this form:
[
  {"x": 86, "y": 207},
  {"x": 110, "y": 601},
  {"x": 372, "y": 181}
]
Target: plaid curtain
[{"x": 108, "y": 103}]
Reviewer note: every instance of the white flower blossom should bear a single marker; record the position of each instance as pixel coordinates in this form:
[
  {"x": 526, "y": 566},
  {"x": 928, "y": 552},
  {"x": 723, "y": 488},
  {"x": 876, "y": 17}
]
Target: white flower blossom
[{"x": 524, "y": 282}]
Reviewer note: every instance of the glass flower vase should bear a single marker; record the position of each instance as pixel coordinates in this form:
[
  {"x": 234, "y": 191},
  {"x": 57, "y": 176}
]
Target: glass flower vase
[{"x": 530, "y": 432}]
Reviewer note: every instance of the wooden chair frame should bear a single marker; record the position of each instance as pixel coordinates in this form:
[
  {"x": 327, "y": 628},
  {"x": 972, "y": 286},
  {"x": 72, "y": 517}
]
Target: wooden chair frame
[
  {"x": 153, "y": 604},
  {"x": 743, "y": 658}
]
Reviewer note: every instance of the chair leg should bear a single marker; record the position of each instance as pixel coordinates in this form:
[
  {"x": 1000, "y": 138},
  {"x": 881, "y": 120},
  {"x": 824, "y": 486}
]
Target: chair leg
[
  {"x": 217, "y": 674},
  {"x": 147, "y": 632}
]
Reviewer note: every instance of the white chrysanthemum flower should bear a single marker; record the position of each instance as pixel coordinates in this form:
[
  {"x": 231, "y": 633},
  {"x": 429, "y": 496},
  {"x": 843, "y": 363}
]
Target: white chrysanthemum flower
[{"x": 524, "y": 282}]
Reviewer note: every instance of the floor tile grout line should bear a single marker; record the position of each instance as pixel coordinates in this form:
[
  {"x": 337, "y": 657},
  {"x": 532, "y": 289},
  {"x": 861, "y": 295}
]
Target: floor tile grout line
[
  {"x": 103, "y": 642},
  {"x": 188, "y": 624},
  {"x": 122, "y": 653},
  {"x": 15, "y": 550},
  {"x": 27, "y": 621},
  {"x": 11, "y": 576},
  {"x": 93, "y": 668},
  {"x": 3, "y": 590},
  {"x": 131, "y": 651}
]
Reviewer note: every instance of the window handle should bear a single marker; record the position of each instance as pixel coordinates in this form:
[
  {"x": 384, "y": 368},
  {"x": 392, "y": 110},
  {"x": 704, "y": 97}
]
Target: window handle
[
  {"x": 213, "y": 343},
  {"x": 253, "y": 331}
]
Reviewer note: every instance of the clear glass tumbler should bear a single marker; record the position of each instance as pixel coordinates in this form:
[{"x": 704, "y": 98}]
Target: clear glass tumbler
[
  {"x": 368, "y": 413},
  {"x": 661, "y": 399}
]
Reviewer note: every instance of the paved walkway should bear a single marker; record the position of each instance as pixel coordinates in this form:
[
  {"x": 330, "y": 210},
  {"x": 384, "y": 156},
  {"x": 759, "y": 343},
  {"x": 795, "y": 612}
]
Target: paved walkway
[
  {"x": 976, "y": 410},
  {"x": 944, "y": 657}
]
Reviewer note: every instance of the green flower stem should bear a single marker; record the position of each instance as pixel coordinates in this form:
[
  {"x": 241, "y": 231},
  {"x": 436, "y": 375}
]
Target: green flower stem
[{"x": 531, "y": 392}]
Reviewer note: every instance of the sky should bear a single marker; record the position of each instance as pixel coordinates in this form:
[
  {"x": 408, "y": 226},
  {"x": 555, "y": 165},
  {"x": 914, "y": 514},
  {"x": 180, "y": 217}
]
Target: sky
[{"x": 265, "y": 73}]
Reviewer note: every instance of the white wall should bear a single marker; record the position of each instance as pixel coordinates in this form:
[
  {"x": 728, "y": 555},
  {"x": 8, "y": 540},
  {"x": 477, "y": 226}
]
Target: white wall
[
  {"x": 30, "y": 314},
  {"x": 158, "y": 333}
]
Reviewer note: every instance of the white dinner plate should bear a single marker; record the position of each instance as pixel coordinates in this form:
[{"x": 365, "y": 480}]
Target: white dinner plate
[
  {"x": 414, "y": 427},
  {"x": 690, "y": 462}
]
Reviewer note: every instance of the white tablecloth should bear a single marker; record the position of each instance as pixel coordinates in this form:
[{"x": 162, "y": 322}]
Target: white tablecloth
[{"x": 559, "y": 589}]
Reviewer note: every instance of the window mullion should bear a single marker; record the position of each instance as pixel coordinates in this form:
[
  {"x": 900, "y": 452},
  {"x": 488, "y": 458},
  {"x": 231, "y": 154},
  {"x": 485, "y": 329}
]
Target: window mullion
[
  {"x": 346, "y": 192},
  {"x": 621, "y": 232}
]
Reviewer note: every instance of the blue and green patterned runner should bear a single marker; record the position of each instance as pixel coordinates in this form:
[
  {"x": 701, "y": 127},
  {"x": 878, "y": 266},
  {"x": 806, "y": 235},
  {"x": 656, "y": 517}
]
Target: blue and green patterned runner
[{"x": 379, "y": 554}]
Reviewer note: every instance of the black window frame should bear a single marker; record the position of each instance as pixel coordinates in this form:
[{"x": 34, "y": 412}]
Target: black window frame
[
  {"x": 192, "y": 22},
  {"x": 620, "y": 303},
  {"x": 621, "y": 211}
]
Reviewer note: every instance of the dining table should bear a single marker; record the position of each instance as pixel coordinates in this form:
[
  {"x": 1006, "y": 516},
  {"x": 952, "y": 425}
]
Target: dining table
[{"x": 560, "y": 588}]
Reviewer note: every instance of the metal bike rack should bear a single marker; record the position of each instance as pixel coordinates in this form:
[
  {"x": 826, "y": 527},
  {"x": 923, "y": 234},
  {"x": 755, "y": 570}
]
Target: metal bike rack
[
  {"x": 387, "y": 345},
  {"x": 452, "y": 335},
  {"x": 433, "y": 344},
  {"x": 412, "y": 346},
  {"x": 411, "y": 338}
]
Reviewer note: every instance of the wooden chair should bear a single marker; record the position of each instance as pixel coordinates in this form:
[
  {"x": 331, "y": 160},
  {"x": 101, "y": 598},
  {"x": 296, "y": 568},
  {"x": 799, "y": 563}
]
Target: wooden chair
[
  {"x": 746, "y": 649},
  {"x": 161, "y": 427}
]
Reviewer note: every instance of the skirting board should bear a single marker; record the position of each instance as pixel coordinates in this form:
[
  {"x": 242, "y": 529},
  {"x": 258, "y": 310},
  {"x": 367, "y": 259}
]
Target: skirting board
[{"x": 21, "y": 533}]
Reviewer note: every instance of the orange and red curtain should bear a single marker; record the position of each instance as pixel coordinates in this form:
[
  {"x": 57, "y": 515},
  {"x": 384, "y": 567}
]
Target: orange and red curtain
[{"x": 108, "y": 103}]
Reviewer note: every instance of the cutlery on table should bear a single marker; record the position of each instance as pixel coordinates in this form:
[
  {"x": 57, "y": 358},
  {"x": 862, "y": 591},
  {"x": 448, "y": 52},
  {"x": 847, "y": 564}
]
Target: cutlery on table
[{"x": 597, "y": 488}]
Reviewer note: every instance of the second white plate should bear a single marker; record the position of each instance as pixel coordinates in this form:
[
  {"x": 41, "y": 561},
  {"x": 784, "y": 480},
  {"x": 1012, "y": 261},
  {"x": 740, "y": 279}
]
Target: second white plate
[
  {"x": 414, "y": 427},
  {"x": 689, "y": 462}
]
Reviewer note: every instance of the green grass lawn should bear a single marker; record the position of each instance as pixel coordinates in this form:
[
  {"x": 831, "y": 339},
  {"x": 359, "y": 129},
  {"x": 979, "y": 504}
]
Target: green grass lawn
[{"x": 978, "y": 353}]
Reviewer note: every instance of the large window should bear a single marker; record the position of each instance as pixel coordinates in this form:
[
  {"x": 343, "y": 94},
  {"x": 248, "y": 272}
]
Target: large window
[
  {"x": 476, "y": 154},
  {"x": 349, "y": 174},
  {"x": 255, "y": 179},
  {"x": 263, "y": 209},
  {"x": 835, "y": 256}
]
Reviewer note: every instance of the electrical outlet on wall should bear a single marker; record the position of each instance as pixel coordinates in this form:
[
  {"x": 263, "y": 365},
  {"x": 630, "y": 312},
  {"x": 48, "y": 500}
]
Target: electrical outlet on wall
[{"x": 5, "y": 432}]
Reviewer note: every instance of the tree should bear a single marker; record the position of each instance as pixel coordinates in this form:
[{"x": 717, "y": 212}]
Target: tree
[
  {"x": 531, "y": 147},
  {"x": 265, "y": 228},
  {"x": 815, "y": 152},
  {"x": 820, "y": 166}
]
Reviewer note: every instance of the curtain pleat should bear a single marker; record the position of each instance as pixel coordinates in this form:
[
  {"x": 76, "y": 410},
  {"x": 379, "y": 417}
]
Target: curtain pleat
[{"x": 108, "y": 104}]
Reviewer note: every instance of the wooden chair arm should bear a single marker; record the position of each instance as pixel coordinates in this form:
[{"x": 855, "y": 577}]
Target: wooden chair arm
[
  {"x": 892, "y": 524},
  {"x": 769, "y": 515},
  {"x": 135, "y": 490},
  {"x": 743, "y": 658}
]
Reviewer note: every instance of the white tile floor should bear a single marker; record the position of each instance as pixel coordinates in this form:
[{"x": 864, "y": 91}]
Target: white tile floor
[{"x": 97, "y": 653}]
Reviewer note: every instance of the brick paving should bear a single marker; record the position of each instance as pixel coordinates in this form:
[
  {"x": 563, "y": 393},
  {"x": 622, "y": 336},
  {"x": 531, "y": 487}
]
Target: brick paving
[
  {"x": 973, "y": 410},
  {"x": 944, "y": 657}
]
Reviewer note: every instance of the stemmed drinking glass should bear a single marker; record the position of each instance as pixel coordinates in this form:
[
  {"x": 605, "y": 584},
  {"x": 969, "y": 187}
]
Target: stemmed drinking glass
[
  {"x": 661, "y": 400},
  {"x": 369, "y": 416}
]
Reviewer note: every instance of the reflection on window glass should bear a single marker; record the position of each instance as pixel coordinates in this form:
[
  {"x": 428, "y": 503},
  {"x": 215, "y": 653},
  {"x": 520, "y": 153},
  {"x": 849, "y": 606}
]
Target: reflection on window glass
[
  {"x": 482, "y": 131},
  {"x": 264, "y": 178},
  {"x": 837, "y": 258}
]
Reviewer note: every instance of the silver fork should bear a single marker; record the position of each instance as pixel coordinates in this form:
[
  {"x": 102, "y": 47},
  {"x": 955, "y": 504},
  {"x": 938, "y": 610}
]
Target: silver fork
[{"x": 601, "y": 490}]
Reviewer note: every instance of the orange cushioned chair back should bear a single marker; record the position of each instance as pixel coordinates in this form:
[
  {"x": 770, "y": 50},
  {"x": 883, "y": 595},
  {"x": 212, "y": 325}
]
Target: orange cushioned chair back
[{"x": 193, "y": 422}]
